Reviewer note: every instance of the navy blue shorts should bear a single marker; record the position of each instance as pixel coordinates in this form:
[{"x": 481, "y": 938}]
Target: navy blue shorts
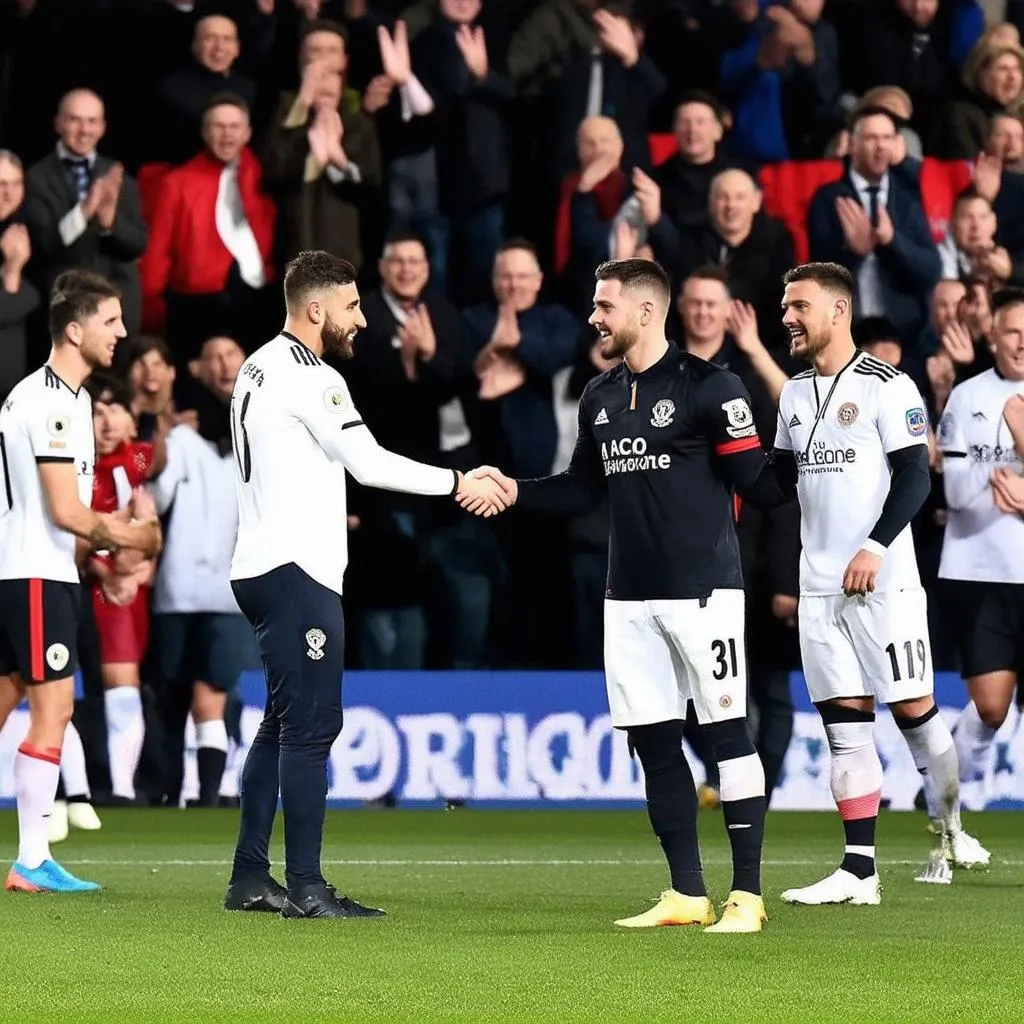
[
  {"x": 300, "y": 631},
  {"x": 210, "y": 647}
]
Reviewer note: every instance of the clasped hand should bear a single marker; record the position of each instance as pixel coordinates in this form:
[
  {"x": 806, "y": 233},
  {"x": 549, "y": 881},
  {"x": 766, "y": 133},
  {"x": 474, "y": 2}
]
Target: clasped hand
[{"x": 486, "y": 491}]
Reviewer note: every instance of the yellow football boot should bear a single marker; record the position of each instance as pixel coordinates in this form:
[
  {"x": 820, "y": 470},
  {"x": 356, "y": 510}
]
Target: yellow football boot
[
  {"x": 743, "y": 912},
  {"x": 673, "y": 908}
]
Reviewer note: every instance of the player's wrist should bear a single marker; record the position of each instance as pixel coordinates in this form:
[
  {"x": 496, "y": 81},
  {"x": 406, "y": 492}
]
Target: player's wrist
[{"x": 874, "y": 547}]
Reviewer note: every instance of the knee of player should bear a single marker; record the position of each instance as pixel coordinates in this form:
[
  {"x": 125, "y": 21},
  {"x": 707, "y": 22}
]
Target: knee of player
[
  {"x": 658, "y": 746},
  {"x": 992, "y": 712},
  {"x": 848, "y": 728},
  {"x": 730, "y": 739}
]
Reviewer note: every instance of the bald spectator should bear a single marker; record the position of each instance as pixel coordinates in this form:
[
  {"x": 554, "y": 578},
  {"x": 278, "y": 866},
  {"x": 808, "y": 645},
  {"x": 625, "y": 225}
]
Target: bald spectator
[
  {"x": 754, "y": 250},
  {"x": 18, "y": 298},
  {"x": 674, "y": 196},
  {"x": 589, "y": 201},
  {"x": 82, "y": 210},
  {"x": 208, "y": 265},
  {"x": 185, "y": 94},
  {"x": 873, "y": 223},
  {"x": 1006, "y": 141}
]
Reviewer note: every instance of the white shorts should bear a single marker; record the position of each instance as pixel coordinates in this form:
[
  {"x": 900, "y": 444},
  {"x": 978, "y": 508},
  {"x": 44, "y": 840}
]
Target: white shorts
[
  {"x": 874, "y": 646},
  {"x": 659, "y": 654}
]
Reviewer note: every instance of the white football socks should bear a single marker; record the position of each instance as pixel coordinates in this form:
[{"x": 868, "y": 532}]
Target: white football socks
[
  {"x": 72, "y": 764},
  {"x": 36, "y": 771},
  {"x": 126, "y": 729}
]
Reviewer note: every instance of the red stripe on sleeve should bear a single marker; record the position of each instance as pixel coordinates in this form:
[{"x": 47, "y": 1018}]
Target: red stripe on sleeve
[
  {"x": 742, "y": 444},
  {"x": 35, "y": 629},
  {"x": 737, "y": 507}
]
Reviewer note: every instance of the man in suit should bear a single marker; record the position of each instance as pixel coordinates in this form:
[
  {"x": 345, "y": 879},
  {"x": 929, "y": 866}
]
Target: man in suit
[
  {"x": 873, "y": 223},
  {"x": 81, "y": 209},
  {"x": 210, "y": 241}
]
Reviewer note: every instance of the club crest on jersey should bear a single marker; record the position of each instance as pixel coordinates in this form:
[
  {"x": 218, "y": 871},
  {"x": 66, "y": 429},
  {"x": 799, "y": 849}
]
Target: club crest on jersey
[
  {"x": 847, "y": 414},
  {"x": 740, "y": 418},
  {"x": 662, "y": 413},
  {"x": 57, "y": 656},
  {"x": 334, "y": 399},
  {"x": 58, "y": 425},
  {"x": 917, "y": 422},
  {"x": 315, "y": 638}
]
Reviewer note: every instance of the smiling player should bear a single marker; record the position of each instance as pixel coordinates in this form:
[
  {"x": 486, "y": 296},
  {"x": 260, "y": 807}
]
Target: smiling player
[{"x": 859, "y": 433}]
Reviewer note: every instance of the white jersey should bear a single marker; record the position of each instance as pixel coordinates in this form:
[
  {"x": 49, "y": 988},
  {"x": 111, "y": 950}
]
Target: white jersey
[
  {"x": 295, "y": 431},
  {"x": 43, "y": 420},
  {"x": 840, "y": 430},
  {"x": 981, "y": 542}
]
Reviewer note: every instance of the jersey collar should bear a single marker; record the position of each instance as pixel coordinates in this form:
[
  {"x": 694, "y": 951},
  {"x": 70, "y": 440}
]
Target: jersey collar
[
  {"x": 291, "y": 337},
  {"x": 50, "y": 372}
]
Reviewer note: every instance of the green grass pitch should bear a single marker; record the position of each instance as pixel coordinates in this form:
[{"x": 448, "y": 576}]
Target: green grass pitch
[{"x": 506, "y": 915}]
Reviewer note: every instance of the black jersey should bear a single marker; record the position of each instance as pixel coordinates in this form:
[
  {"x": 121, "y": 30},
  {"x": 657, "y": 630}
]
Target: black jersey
[{"x": 669, "y": 447}]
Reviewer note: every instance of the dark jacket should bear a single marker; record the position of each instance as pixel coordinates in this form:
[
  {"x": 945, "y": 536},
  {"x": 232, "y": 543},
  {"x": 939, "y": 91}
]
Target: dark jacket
[
  {"x": 908, "y": 267},
  {"x": 970, "y": 118},
  {"x": 184, "y": 96},
  {"x": 755, "y": 267},
  {"x": 404, "y": 417},
  {"x": 49, "y": 195},
  {"x": 473, "y": 149},
  {"x": 518, "y": 432},
  {"x": 320, "y": 214},
  {"x": 15, "y": 308},
  {"x": 549, "y": 58},
  {"x": 685, "y": 188}
]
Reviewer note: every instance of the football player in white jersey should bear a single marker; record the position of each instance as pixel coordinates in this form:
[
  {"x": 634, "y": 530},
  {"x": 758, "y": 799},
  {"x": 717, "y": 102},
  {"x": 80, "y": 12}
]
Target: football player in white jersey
[
  {"x": 981, "y": 437},
  {"x": 295, "y": 432},
  {"x": 47, "y": 528},
  {"x": 859, "y": 433}
]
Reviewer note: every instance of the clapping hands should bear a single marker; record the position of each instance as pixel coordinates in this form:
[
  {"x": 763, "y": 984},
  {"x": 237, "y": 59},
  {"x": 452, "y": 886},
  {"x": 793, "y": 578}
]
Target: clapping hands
[{"x": 486, "y": 491}]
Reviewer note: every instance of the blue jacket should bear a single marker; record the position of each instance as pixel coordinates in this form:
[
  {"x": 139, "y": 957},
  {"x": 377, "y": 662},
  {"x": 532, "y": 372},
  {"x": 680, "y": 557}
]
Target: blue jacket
[{"x": 908, "y": 267}]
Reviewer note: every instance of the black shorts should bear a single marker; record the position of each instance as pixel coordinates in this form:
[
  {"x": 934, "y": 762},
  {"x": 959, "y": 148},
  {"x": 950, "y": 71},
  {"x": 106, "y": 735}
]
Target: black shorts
[
  {"x": 300, "y": 632},
  {"x": 988, "y": 622},
  {"x": 39, "y": 629}
]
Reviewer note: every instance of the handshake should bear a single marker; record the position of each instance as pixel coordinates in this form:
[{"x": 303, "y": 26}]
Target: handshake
[{"x": 486, "y": 491}]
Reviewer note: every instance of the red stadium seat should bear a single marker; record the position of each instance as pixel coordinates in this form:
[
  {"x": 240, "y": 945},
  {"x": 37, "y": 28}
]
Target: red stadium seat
[
  {"x": 662, "y": 147},
  {"x": 941, "y": 182},
  {"x": 788, "y": 189}
]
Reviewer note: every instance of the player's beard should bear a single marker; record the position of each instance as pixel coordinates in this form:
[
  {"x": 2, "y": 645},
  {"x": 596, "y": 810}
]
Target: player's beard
[
  {"x": 336, "y": 341},
  {"x": 810, "y": 343},
  {"x": 618, "y": 343}
]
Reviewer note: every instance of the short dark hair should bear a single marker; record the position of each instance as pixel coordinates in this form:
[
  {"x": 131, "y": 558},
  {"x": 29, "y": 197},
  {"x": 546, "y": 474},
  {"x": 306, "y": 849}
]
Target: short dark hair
[
  {"x": 709, "y": 272},
  {"x": 637, "y": 274},
  {"x": 77, "y": 294},
  {"x": 872, "y": 329},
  {"x": 858, "y": 114},
  {"x": 517, "y": 243},
  {"x": 314, "y": 270},
  {"x": 118, "y": 391},
  {"x": 967, "y": 194},
  {"x": 323, "y": 25},
  {"x": 404, "y": 235},
  {"x": 226, "y": 99},
  {"x": 143, "y": 344},
  {"x": 832, "y": 276},
  {"x": 1007, "y": 297}
]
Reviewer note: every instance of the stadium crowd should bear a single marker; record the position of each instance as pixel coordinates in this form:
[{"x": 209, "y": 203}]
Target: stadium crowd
[{"x": 476, "y": 159}]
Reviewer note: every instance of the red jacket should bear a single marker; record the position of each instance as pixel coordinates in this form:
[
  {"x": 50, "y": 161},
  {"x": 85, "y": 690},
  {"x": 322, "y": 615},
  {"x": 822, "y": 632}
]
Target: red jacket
[{"x": 185, "y": 253}]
